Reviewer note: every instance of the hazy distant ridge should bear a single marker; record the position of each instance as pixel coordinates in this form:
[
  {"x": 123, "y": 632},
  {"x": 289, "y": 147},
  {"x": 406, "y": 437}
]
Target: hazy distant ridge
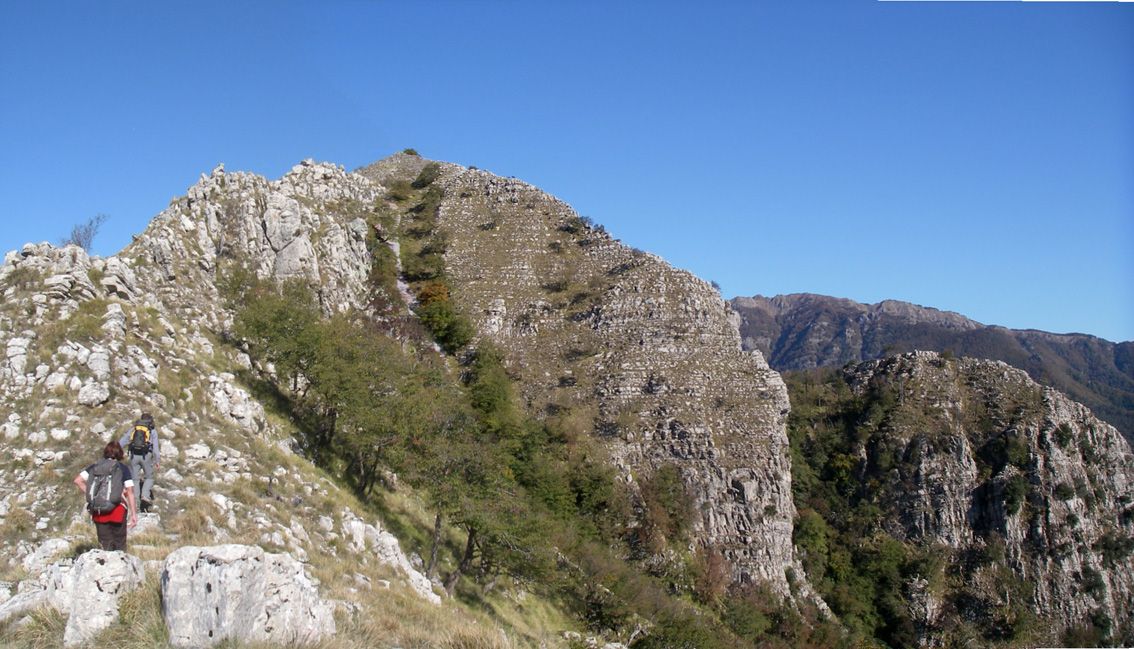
[{"x": 803, "y": 331}]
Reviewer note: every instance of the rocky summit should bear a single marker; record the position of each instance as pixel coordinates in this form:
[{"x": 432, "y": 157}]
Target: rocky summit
[
  {"x": 262, "y": 536},
  {"x": 652, "y": 350}
]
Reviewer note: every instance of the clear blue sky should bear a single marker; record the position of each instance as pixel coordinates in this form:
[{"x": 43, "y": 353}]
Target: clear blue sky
[{"x": 969, "y": 156}]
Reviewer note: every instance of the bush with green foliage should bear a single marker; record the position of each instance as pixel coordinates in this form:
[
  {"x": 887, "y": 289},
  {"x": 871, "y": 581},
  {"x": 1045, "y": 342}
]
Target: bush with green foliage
[
  {"x": 1015, "y": 493},
  {"x": 1064, "y": 435},
  {"x": 399, "y": 191},
  {"x": 451, "y": 329},
  {"x": 1064, "y": 491},
  {"x": 667, "y": 510},
  {"x": 429, "y": 173},
  {"x": 577, "y": 224},
  {"x": 23, "y": 277}
]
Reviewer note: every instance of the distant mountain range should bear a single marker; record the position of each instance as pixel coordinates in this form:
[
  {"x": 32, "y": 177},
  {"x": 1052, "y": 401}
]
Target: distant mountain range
[{"x": 804, "y": 331}]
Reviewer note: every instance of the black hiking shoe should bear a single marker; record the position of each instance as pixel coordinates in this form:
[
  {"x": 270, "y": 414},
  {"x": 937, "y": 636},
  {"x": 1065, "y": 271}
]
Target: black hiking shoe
[{"x": 146, "y": 505}]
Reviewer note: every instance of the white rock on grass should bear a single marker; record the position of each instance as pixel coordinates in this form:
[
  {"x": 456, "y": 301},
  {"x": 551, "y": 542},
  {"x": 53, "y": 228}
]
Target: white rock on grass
[
  {"x": 197, "y": 452},
  {"x": 148, "y": 522},
  {"x": 43, "y": 554},
  {"x": 98, "y": 580},
  {"x": 17, "y": 353},
  {"x": 239, "y": 592},
  {"x": 388, "y": 551},
  {"x": 99, "y": 362},
  {"x": 86, "y": 590},
  {"x": 93, "y": 394}
]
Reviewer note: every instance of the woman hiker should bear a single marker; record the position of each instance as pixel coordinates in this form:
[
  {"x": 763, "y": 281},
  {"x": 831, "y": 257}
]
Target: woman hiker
[{"x": 111, "y": 526}]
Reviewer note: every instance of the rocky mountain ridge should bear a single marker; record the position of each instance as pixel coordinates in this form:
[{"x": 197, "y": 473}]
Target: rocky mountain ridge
[
  {"x": 645, "y": 358},
  {"x": 803, "y": 331},
  {"x": 90, "y": 342},
  {"x": 585, "y": 319}
]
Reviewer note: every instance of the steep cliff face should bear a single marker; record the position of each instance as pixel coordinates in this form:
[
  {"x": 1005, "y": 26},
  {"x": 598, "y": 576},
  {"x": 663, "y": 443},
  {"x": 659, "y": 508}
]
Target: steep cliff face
[
  {"x": 640, "y": 353},
  {"x": 802, "y": 331},
  {"x": 644, "y": 353},
  {"x": 1024, "y": 492}
]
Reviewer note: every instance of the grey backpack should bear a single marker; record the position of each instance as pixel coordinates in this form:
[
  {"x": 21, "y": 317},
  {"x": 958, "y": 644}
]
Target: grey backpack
[{"x": 104, "y": 489}]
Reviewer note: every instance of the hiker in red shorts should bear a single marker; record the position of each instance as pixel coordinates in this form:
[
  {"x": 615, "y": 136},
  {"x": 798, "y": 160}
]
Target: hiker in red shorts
[{"x": 111, "y": 524}]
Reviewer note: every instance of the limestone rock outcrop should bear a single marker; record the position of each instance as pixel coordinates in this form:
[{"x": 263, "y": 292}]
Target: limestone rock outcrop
[
  {"x": 991, "y": 464},
  {"x": 309, "y": 225},
  {"x": 86, "y": 590},
  {"x": 364, "y": 538},
  {"x": 586, "y": 320},
  {"x": 241, "y": 593}
]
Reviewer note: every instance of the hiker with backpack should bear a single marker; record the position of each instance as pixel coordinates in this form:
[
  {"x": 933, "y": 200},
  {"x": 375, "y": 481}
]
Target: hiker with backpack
[
  {"x": 109, "y": 487},
  {"x": 142, "y": 442}
]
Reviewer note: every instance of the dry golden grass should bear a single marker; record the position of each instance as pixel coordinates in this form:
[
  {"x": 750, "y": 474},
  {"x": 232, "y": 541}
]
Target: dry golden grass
[
  {"x": 43, "y": 629},
  {"x": 140, "y": 623}
]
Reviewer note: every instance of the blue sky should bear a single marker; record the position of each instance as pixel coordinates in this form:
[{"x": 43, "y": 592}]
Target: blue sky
[{"x": 968, "y": 156}]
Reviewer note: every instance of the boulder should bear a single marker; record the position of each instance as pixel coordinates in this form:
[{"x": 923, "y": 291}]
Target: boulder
[
  {"x": 98, "y": 580},
  {"x": 43, "y": 554},
  {"x": 86, "y": 590},
  {"x": 210, "y": 594},
  {"x": 119, "y": 280},
  {"x": 148, "y": 522},
  {"x": 93, "y": 394},
  {"x": 17, "y": 353},
  {"x": 362, "y": 536}
]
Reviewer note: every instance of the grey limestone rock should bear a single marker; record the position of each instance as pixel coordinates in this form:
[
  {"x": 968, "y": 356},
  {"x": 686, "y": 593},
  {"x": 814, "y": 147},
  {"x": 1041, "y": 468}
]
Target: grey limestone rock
[
  {"x": 17, "y": 354},
  {"x": 235, "y": 402},
  {"x": 98, "y": 581},
  {"x": 87, "y": 590},
  {"x": 239, "y": 592},
  {"x": 93, "y": 394},
  {"x": 1067, "y": 535},
  {"x": 365, "y": 537},
  {"x": 119, "y": 279}
]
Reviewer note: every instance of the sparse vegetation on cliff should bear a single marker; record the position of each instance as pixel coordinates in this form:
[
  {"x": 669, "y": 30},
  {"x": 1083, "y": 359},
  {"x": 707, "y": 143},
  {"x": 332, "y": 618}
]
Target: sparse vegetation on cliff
[{"x": 865, "y": 440}]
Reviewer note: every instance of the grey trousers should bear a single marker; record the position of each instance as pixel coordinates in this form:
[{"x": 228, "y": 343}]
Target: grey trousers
[{"x": 140, "y": 464}]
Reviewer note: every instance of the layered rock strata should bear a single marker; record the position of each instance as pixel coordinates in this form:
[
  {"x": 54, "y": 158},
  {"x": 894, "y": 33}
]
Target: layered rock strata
[{"x": 592, "y": 325}]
